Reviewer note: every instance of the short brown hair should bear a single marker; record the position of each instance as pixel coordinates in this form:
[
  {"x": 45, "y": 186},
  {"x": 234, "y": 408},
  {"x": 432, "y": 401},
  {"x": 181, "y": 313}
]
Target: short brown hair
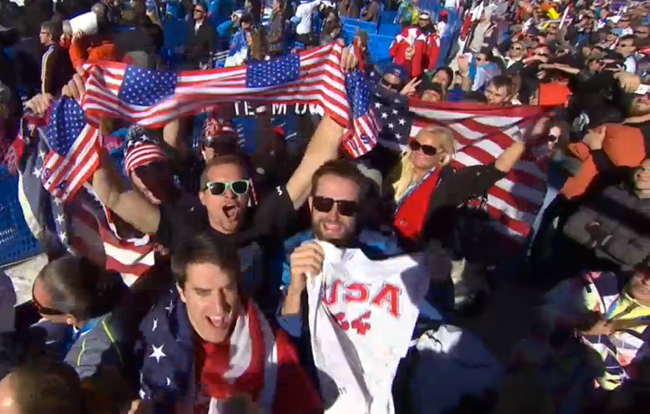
[
  {"x": 204, "y": 248},
  {"x": 47, "y": 386},
  {"x": 222, "y": 160},
  {"x": 343, "y": 169},
  {"x": 53, "y": 28}
]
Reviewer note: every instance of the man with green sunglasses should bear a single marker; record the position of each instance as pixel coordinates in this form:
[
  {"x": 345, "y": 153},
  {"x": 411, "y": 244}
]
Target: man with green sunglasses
[{"x": 223, "y": 193}]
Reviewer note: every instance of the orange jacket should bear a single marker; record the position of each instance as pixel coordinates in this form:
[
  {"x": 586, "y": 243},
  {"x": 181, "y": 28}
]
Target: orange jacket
[
  {"x": 624, "y": 146},
  {"x": 84, "y": 50}
]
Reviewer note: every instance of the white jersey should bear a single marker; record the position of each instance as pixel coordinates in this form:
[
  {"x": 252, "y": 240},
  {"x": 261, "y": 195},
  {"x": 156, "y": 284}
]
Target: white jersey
[{"x": 361, "y": 317}]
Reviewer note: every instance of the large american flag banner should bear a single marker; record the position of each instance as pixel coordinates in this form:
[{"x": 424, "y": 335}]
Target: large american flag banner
[
  {"x": 152, "y": 98},
  {"x": 482, "y": 133}
]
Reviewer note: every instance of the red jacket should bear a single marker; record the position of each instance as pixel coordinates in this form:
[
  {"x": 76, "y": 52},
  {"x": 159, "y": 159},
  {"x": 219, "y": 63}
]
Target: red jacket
[
  {"x": 411, "y": 36},
  {"x": 410, "y": 215},
  {"x": 432, "y": 50}
]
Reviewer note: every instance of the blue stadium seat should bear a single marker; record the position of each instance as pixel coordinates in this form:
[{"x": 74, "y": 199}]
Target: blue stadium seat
[
  {"x": 16, "y": 240},
  {"x": 387, "y": 17},
  {"x": 391, "y": 30},
  {"x": 369, "y": 27}
]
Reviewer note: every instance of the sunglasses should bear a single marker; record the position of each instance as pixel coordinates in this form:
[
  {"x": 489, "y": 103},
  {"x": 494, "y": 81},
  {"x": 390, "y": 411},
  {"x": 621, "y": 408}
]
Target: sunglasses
[
  {"x": 44, "y": 310},
  {"x": 516, "y": 48},
  {"x": 428, "y": 150},
  {"x": 239, "y": 187},
  {"x": 389, "y": 85},
  {"x": 345, "y": 208}
]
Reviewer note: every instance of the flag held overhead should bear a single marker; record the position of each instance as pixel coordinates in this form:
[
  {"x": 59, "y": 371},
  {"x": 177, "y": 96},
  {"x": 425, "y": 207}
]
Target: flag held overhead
[{"x": 74, "y": 149}]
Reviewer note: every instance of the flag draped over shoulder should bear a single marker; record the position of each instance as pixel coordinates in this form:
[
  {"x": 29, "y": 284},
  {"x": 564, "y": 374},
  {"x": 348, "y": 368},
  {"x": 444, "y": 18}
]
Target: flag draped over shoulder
[{"x": 482, "y": 133}]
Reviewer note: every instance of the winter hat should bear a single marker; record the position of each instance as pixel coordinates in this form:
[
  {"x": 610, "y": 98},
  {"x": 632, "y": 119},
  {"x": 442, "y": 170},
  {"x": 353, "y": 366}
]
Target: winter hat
[{"x": 141, "y": 150}]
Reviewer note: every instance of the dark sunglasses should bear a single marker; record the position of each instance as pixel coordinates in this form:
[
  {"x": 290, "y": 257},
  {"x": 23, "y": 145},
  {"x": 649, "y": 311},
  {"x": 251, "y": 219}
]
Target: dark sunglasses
[
  {"x": 426, "y": 149},
  {"x": 239, "y": 187},
  {"x": 345, "y": 208},
  {"x": 44, "y": 310},
  {"x": 389, "y": 85},
  {"x": 516, "y": 48}
]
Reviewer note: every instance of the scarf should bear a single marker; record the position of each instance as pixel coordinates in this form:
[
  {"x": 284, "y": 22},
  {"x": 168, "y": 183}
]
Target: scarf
[{"x": 238, "y": 366}]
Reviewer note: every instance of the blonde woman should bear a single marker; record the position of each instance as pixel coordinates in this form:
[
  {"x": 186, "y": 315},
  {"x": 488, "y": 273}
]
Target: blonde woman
[{"x": 427, "y": 189}]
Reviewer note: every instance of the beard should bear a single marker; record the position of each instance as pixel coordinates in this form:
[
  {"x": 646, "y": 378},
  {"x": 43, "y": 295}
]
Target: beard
[{"x": 342, "y": 238}]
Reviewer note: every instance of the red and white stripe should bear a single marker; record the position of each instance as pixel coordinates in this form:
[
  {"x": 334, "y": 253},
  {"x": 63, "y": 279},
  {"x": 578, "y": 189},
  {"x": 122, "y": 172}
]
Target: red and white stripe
[
  {"x": 321, "y": 82},
  {"x": 143, "y": 154},
  {"x": 95, "y": 235},
  {"x": 482, "y": 133},
  {"x": 64, "y": 174}
]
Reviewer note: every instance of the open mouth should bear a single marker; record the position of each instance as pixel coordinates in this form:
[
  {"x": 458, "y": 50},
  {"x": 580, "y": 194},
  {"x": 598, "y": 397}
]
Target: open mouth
[
  {"x": 219, "y": 322},
  {"x": 231, "y": 211},
  {"x": 332, "y": 227}
]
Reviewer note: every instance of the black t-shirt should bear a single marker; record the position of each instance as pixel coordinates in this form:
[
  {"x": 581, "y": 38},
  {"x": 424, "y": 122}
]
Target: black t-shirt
[{"x": 266, "y": 224}]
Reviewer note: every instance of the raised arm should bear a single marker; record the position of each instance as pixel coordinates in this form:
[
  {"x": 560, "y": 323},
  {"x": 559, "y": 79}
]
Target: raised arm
[
  {"x": 131, "y": 206},
  {"x": 323, "y": 147}
]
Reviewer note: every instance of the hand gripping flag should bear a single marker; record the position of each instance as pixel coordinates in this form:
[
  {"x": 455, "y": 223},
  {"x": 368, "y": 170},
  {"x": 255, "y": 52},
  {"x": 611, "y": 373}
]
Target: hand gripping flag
[
  {"x": 74, "y": 146},
  {"x": 152, "y": 98},
  {"x": 482, "y": 133}
]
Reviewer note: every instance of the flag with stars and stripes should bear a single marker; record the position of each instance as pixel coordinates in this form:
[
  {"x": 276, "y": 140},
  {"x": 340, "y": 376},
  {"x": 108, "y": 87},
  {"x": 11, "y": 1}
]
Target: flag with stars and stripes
[
  {"x": 482, "y": 133},
  {"x": 81, "y": 224},
  {"x": 183, "y": 373},
  {"x": 73, "y": 154},
  {"x": 152, "y": 98}
]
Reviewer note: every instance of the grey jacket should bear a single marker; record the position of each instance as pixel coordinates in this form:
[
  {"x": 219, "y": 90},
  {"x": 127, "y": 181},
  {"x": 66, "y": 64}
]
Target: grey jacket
[
  {"x": 102, "y": 344},
  {"x": 615, "y": 224}
]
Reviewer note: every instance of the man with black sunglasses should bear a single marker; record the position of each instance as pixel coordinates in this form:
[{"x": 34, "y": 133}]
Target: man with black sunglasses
[
  {"x": 338, "y": 187},
  {"x": 79, "y": 302}
]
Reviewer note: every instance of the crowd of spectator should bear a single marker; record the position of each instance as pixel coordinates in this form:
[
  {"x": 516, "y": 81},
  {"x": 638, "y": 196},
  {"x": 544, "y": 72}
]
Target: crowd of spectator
[{"x": 216, "y": 314}]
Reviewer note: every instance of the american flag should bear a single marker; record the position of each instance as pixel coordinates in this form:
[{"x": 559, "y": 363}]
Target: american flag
[
  {"x": 482, "y": 133},
  {"x": 81, "y": 224},
  {"x": 73, "y": 156},
  {"x": 152, "y": 98}
]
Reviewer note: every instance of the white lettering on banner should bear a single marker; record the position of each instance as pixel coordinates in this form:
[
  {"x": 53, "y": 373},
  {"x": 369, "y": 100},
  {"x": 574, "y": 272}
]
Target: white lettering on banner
[
  {"x": 301, "y": 109},
  {"x": 279, "y": 109},
  {"x": 248, "y": 111},
  {"x": 245, "y": 109}
]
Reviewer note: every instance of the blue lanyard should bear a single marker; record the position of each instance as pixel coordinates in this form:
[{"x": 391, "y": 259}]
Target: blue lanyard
[
  {"x": 612, "y": 308},
  {"x": 87, "y": 328},
  {"x": 410, "y": 191}
]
